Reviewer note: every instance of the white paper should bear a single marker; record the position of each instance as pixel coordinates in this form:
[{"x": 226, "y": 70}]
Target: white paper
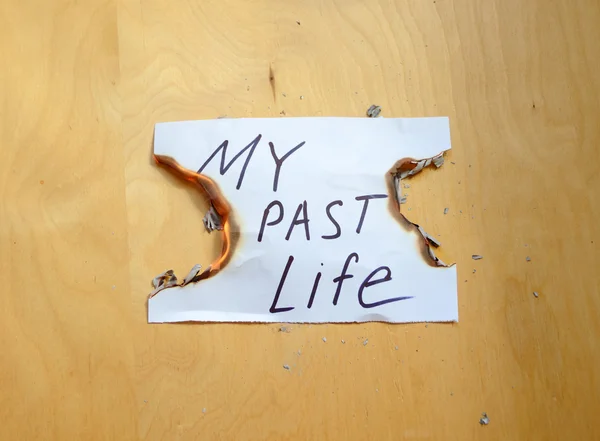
[{"x": 342, "y": 158}]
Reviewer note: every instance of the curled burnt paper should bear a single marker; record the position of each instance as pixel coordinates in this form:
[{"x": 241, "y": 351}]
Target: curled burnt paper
[
  {"x": 163, "y": 281},
  {"x": 403, "y": 170},
  {"x": 309, "y": 211}
]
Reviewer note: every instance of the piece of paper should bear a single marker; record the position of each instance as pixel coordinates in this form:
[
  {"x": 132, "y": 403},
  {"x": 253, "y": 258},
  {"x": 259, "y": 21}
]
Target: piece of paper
[{"x": 311, "y": 222}]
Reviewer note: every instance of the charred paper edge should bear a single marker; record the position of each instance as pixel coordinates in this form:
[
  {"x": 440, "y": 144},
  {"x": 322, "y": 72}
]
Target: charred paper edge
[
  {"x": 405, "y": 169},
  {"x": 220, "y": 217}
]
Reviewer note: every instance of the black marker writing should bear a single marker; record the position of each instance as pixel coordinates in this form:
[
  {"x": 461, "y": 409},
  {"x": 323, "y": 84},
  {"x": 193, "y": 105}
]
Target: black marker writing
[
  {"x": 338, "y": 230},
  {"x": 302, "y": 207},
  {"x": 279, "y": 161},
  {"x": 366, "y": 198},
  {"x": 273, "y": 309},
  {"x": 367, "y": 282},
  {"x": 343, "y": 276},
  {"x": 314, "y": 290},
  {"x": 266, "y": 215},
  {"x": 223, "y": 149}
]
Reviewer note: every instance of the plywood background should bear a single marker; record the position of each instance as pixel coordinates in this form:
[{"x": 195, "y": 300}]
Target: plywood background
[{"x": 86, "y": 219}]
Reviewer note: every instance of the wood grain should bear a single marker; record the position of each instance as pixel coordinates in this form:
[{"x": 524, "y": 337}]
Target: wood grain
[{"x": 87, "y": 219}]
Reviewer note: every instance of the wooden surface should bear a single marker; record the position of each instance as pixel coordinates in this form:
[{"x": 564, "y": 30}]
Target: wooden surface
[{"x": 86, "y": 219}]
